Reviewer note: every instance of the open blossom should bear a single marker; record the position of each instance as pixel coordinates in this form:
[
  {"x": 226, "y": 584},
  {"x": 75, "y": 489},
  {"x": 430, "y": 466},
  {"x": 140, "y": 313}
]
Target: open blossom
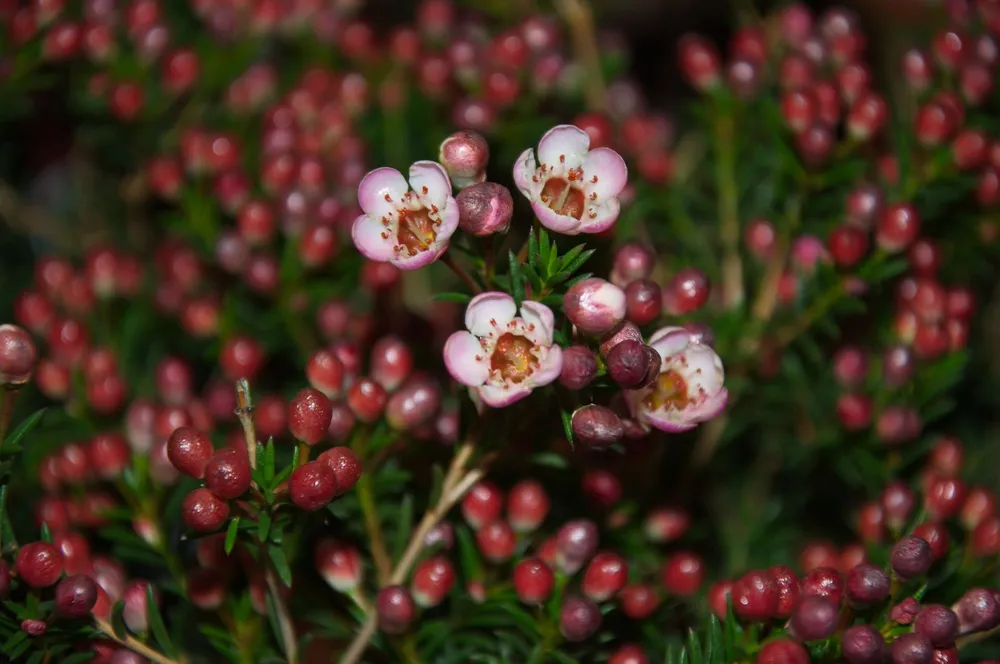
[
  {"x": 408, "y": 225},
  {"x": 503, "y": 356},
  {"x": 572, "y": 188},
  {"x": 689, "y": 389}
]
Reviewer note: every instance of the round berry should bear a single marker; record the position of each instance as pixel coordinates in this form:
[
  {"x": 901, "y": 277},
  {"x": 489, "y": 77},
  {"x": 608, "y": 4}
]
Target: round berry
[
  {"x": 75, "y": 596},
  {"x": 847, "y": 245},
  {"x": 482, "y": 504},
  {"x": 309, "y": 414},
  {"x": 911, "y": 557},
  {"x": 633, "y": 364},
  {"x": 527, "y": 506},
  {"x": 579, "y": 618},
  {"x": 17, "y": 355},
  {"x": 576, "y": 542},
  {"x": 39, "y": 564},
  {"x": 579, "y": 367},
  {"x": 755, "y": 596},
  {"x": 788, "y": 587},
  {"x": 862, "y": 644},
  {"x": 782, "y": 651},
  {"x": 346, "y": 467},
  {"x": 338, "y": 564},
  {"x": 228, "y": 473},
  {"x": 203, "y": 511},
  {"x": 533, "y": 581},
  {"x": 432, "y": 581},
  {"x": 604, "y": 577},
  {"x": 496, "y": 541},
  {"x": 815, "y": 618},
  {"x": 190, "y": 450},
  {"x": 683, "y": 574},
  {"x": 912, "y": 649},
  {"x": 867, "y": 585},
  {"x": 395, "y": 609},
  {"x": 938, "y": 623},
  {"x": 686, "y": 292},
  {"x": 824, "y": 582},
  {"x": 312, "y": 485}
]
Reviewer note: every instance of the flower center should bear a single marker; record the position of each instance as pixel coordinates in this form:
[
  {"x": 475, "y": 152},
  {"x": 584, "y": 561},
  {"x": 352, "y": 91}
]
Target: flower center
[
  {"x": 563, "y": 198},
  {"x": 513, "y": 358},
  {"x": 416, "y": 230},
  {"x": 669, "y": 391}
]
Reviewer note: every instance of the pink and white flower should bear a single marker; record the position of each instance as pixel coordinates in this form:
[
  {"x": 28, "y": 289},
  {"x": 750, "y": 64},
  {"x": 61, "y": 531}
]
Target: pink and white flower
[
  {"x": 572, "y": 188},
  {"x": 689, "y": 389},
  {"x": 406, "y": 224},
  {"x": 501, "y": 356}
]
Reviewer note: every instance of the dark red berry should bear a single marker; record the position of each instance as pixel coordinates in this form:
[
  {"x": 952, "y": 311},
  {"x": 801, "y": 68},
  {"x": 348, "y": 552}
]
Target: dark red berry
[
  {"x": 605, "y": 576},
  {"x": 638, "y": 601},
  {"x": 936, "y": 536},
  {"x": 686, "y": 292},
  {"x": 847, "y": 245},
  {"x": 496, "y": 541},
  {"x": 629, "y": 653},
  {"x": 815, "y": 618},
  {"x": 482, "y": 504},
  {"x": 309, "y": 414},
  {"x": 190, "y": 450},
  {"x": 912, "y": 649},
  {"x": 367, "y": 399},
  {"x": 579, "y": 367},
  {"x": 824, "y": 582},
  {"x": 395, "y": 609},
  {"x": 17, "y": 355},
  {"x": 755, "y": 596},
  {"x": 898, "y": 226},
  {"x": 787, "y": 583},
  {"x": 576, "y": 542},
  {"x": 533, "y": 581},
  {"x": 432, "y": 581},
  {"x": 943, "y": 498},
  {"x": 862, "y": 644},
  {"x": 227, "y": 474},
  {"x": 579, "y": 618},
  {"x": 938, "y": 623},
  {"x": 75, "y": 596},
  {"x": 643, "y": 301},
  {"x": 203, "y": 511},
  {"x": 39, "y": 564},
  {"x": 978, "y": 610},
  {"x": 782, "y": 651},
  {"x": 911, "y": 557},
  {"x": 345, "y": 465},
  {"x": 312, "y": 485},
  {"x": 597, "y": 426},
  {"x": 633, "y": 364},
  {"x": 683, "y": 574},
  {"x": 527, "y": 506},
  {"x": 867, "y": 585}
]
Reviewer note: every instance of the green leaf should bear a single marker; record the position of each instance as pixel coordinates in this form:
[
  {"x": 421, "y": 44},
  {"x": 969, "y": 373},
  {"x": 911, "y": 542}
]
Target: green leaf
[
  {"x": 550, "y": 460},
  {"x": 694, "y": 647},
  {"x": 567, "y": 422},
  {"x": 280, "y": 563},
  {"x": 267, "y": 461},
  {"x": 46, "y": 534},
  {"x": 263, "y": 525},
  {"x": 231, "y": 532},
  {"x": 575, "y": 263},
  {"x": 15, "y": 640},
  {"x": 118, "y": 619},
  {"x": 516, "y": 278},
  {"x": 460, "y": 298},
  {"x": 272, "y": 617},
  {"x": 13, "y": 440},
  {"x": 76, "y": 658},
  {"x": 156, "y": 625},
  {"x": 404, "y": 525}
]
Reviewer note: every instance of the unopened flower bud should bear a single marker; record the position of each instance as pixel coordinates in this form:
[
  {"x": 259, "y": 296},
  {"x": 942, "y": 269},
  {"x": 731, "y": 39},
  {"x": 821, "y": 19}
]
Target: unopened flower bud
[
  {"x": 632, "y": 261},
  {"x": 464, "y": 155},
  {"x": 597, "y": 426},
  {"x": 624, "y": 332},
  {"x": 339, "y": 564},
  {"x": 594, "y": 306},
  {"x": 911, "y": 557},
  {"x": 576, "y": 543},
  {"x": 414, "y": 404},
  {"x": 17, "y": 355},
  {"x": 579, "y": 367},
  {"x": 633, "y": 364},
  {"x": 484, "y": 209},
  {"x": 978, "y": 611}
]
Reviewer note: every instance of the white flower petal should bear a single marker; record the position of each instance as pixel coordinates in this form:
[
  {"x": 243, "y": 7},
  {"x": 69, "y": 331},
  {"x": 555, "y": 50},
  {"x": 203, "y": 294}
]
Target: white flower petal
[
  {"x": 379, "y": 184},
  {"x": 465, "y": 360},
  {"x": 430, "y": 183},
  {"x": 563, "y": 146},
  {"x": 488, "y": 312}
]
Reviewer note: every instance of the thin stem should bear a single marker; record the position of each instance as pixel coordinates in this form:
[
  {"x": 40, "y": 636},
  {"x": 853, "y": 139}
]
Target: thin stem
[
  {"x": 373, "y": 525},
  {"x": 461, "y": 273},
  {"x": 244, "y": 411},
  {"x": 580, "y": 18},
  {"x": 283, "y": 617},
  {"x": 133, "y": 644},
  {"x": 456, "y": 483},
  {"x": 729, "y": 214}
]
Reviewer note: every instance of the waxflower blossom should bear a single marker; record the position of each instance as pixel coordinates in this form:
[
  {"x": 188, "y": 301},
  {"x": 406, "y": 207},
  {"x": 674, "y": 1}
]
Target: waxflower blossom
[
  {"x": 408, "y": 225},
  {"x": 501, "y": 356},
  {"x": 689, "y": 389},
  {"x": 572, "y": 188}
]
